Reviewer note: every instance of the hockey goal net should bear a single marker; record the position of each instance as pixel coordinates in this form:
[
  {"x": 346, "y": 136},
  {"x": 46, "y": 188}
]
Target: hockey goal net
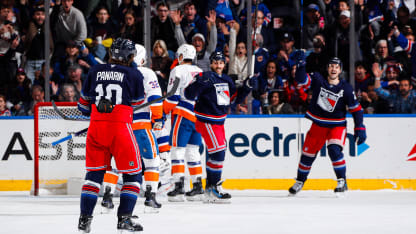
[{"x": 56, "y": 164}]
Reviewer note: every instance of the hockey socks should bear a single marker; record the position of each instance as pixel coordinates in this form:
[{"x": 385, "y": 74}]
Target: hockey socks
[
  {"x": 304, "y": 168},
  {"x": 338, "y": 162},
  {"x": 90, "y": 190},
  {"x": 214, "y": 167},
  {"x": 128, "y": 195}
]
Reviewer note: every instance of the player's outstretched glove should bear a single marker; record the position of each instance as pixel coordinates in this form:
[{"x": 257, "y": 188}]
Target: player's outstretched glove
[
  {"x": 359, "y": 134},
  {"x": 297, "y": 58},
  {"x": 251, "y": 82},
  {"x": 158, "y": 124}
]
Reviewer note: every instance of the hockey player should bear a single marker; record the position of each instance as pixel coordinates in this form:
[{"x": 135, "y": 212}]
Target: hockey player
[
  {"x": 184, "y": 139},
  {"x": 331, "y": 97},
  {"x": 142, "y": 128},
  {"x": 108, "y": 95},
  {"x": 213, "y": 92}
]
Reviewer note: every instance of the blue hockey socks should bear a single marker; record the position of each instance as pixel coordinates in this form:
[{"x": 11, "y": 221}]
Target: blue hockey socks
[
  {"x": 90, "y": 190},
  {"x": 304, "y": 168},
  {"x": 129, "y": 193},
  {"x": 214, "y": 167},
  {"x": 338, "y": 162}
]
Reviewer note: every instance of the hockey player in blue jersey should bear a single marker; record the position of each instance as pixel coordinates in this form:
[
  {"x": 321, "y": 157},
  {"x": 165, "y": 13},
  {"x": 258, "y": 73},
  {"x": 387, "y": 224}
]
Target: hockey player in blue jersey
[
  {"x": 109, "y": 94},
  {"x": 331, "y": 97},
  {"x": 213, "y": 91}
]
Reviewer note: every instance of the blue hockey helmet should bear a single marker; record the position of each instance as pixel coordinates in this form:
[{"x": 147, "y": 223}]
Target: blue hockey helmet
[
  {"x": 335, "y": 60},
  {"x": 122, "y": 49},
  {"x": 215, "y": 56}
]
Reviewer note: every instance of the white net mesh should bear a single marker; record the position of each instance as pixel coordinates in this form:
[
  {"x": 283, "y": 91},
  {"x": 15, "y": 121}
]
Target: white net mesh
[{"x": 63, "y": 161}]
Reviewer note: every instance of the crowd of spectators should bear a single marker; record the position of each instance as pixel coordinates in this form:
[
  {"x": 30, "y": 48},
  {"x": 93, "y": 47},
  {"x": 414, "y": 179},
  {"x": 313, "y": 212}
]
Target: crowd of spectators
[{"x": 81, "y": 33}]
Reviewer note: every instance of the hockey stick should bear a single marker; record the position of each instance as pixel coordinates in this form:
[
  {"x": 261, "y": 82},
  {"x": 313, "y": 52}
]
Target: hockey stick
[
  {"x": 69, "y": 137},
  {"x": 168, "y": 94},
  {"x": 63, "y": 116}
]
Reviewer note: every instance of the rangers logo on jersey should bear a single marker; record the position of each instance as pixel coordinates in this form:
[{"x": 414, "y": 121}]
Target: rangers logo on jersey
[
  {"x": 223, "y": 94},
  {"x": 327, "y": 100}
]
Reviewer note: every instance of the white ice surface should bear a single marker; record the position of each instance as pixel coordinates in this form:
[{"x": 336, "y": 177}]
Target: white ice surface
[{"x": 310, "y": 212}]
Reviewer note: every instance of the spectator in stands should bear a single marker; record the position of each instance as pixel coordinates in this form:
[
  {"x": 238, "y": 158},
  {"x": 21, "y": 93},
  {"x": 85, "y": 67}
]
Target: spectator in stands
[
  {"x": 19, "y": 93},
  {"x": 203, "y": 49},
  {"x": 9, "y": 45},
  {"x": 391, "y": 79},
  {"x": 161, "y": 63},
  {"x": 372, "y": 103},
  {"x": 287, "y": 48},
  {"x": 267, "y": 16},
  {"x": 382, "y": 51},
  {"x": 223, "y": 32},
  {"x": 34, "y": 42},
  {"x": 314, "y": 24},
  {"x": 267, "y": 81},
  {"x": 72, "y": 56},
  {"x": 68, "y": 24},
  {"x": 268, "y": 36},
  {"x": 4, "y": 111},
  {"x": 75, "y": 77},
  {"x": 277, "y": 104},
  {"x": 227, "y": 8},
  {"x": 163, "y": 28},
  {"x": 69, "y": 93},
  {"x": 317, "y": 60},
  {"x": 402, "y": 100},
  {"x": 362, "y": 78},
  {"x": 131, "y": 30},
  {"x": 404, "y": 19},
  {"x": 338, "y": 41},
  {"x": 101, "y": 29},
  {"x": 123, "y": 8},
  {"x": 38, "y": 95},
  {"x": 192, "y": 23},
  {"x": 238, "y": 67}
]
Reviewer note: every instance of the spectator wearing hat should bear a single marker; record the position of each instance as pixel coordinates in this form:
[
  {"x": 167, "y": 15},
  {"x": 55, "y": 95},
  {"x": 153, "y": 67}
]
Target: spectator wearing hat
[
  {"x": 18, "y": 95},
  {"x": 68, "y": 24},
  {"x": 314, "y": 24},
  {"x": 286, "y": 49},
  {"x": 163, "y": 28},
  {"x": 203, "y": 48},
  {"x": 34, "y": 42}
]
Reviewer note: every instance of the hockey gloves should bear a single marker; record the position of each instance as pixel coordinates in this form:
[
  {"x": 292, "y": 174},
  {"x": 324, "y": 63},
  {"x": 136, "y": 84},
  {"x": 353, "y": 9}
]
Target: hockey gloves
[
  {"x": 105, "y": 106},
  {"x": 360, "y": 134},
  {"x": 297, "y": 58},
  {"x": 158, "y": 124}
]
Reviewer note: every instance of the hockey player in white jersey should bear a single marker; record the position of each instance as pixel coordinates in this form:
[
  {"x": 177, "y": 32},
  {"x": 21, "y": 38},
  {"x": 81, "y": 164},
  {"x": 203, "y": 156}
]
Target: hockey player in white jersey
[
  {"x": 146, "y": 120},
  {"x": 184, "y": 139}
]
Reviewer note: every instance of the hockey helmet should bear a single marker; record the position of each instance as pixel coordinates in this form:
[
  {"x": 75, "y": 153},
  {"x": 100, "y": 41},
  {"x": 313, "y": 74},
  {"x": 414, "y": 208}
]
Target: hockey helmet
[
  {"x": 215, "y": 56},
  {"x": 187, "y": 51},
  {"x": 335, "y": 60},
  {"x": 141, "y": 57},
  {"x": 122, "y": 49}
]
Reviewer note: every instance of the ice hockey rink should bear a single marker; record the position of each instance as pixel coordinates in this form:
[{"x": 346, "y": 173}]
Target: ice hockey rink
[{"x": 251, "y": 211}]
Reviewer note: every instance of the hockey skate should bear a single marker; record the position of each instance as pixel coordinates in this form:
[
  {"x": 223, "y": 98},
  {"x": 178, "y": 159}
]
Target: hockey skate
[
  {"x": 296, "y": 188},
  {"x": 341, "y": 187},
  {"x": 177, "y": 194},
  {"x": 197, "y": 191},
  {"x": 84, "y": 223},
  {"x": 126, "y": 225},
  {"x": 150, "y": 204},
  {"x": 107, "y": 202},
  {"x": 215, "y": 194}
]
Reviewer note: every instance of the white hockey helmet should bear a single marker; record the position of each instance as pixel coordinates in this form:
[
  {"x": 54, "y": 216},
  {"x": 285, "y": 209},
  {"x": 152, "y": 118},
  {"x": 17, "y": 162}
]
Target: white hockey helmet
[
  {"x": 187, "y": 51},
  {"x": 141, "y": 56}
]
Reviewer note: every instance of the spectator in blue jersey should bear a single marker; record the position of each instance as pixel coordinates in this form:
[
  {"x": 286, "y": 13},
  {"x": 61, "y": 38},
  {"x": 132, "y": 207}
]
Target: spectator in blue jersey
[
  {"x": 401, "y": 101},
  {"x": 213, "y": 92},
  {"x": 410, "y": 48},
  {"x": 266, "y": 16},
  {"x": 331, "y": 98},
  {"x": 267, "y": 81}
]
